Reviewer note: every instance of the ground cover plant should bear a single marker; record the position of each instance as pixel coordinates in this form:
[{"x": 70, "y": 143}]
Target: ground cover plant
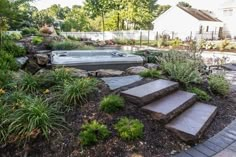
[
  {"x": 151, "y": 73},
  {"x": 201, "y": 94},
  {"x": 112, "y": 103},
  {"x": 13, "y": 49},
  {"x": 218, "y": 84},
  {"x": 7, "y": 61}
]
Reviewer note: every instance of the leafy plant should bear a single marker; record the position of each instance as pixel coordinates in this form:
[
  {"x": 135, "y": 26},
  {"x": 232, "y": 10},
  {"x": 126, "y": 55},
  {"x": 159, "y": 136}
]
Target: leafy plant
[
  {"x": 15, "y": 97},
  {"x": 76, "y": 91},
  {"x": 61, "y": 74},
  {"x": 201, "y": 95},
  {"x": 29, "y": 31},
  {"x": 92, "y": 133},
  {"x": 8, "y": 62},
  {"x": 5, "y": 78},
  {"x": 28, "y": 83},
  {"x": 152, "y": 73},
  {"x": 4, "y": 122},
  {"x": 112, "y": 103},
  {"x": 224, "y": 44},
  {"x": 175, "y": 42},
  {"x": 65, "y": 45},
  {"x": 129, "y": 129},
  {"x": 34, "y": 117},
  {"x": 218, "y": 84},
  {"x": 37, "y": 40}
]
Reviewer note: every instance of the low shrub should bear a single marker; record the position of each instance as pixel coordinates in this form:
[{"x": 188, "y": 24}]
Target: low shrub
[
  {"x": 61, "y": 74},
  {"x": 34, "y": 117},
  {"x": 112, "y": 103},
  {"x": 37, "y": 40},
  {"x": 175, "y": 42},
  {"x": 218, "y": 84},
  {"x": 8, "y": 62},
  {"x": 152, "y": 73},
  {"x": 201, "y": 95},
  {"x": 13, "y": 49},
  {"x": 129, "y": 129},
  {"x": 65, "y": 45},
  {"x": 77, "y": 91},
  {"x": 28, "y": 83},
  {"x": 5, "y": 79},
  {"x": 224, "y": 44},
  {"x": 5, "y": 112},
  {"x": 29, "y": 31},
  {"x": 92, "y": 133}
]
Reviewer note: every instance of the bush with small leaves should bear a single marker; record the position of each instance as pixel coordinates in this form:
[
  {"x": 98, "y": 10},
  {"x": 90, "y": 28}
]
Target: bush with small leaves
[
  {"x": 152, "y": 73},
  {"x": 218, "y": 84},
  {"x": 13, "y": 49},
  {"x": 34, "y": 117},
  {"x": 7, "y": 61},
  {"x": 201, "y": 95},
  {"x": 129, "y": 129},
  {"x": 112, "y": 103},
  {"x": 92, "y": 133},
  {"x": 76, "y": 91}
]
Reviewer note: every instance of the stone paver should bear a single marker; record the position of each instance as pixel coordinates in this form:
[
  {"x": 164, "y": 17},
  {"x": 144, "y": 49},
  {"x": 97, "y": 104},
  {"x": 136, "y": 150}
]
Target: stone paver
[
  {"x": 226, "y": 153},
  {"x": 118, "y": 82}
]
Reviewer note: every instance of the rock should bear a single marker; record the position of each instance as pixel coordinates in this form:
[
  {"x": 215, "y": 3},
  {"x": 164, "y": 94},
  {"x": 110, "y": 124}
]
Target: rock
[
  {"x": 42, "y": 72},
  {"x": 136, "y": 70},
  {"x": 107, "y": 73},
  {"x": 31, "y": 66},
  {"x": 151, "y": 66},
  {"x": 43, "y": 52},
  {"x": 78, "y": 72},
  {"x": 18, "y": 74},
  {"x": 22, "y": 60},
  {"x": 42, "y": 59}
]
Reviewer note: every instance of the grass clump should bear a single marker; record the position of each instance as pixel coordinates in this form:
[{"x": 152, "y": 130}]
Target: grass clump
[
  {"x": 5, "y": 79},
  {"x": 218, "y": 84},
  {"x": 201, "y": 95},
  {"x": 61, "y": 74},
  {"x": 34, "y": 117},
  {"x": 112, "y": 103},
  {"x": 65, "y": 45},
  {"x": 8, "y": 62},
  {"x": 152, "y": 73},
  {"x": 29, "y": 83},
  {"x": 13, "y": 49},
  {"x": 76, "y": 91},
  {"x": 92, "y": 133},
  {"x": 4, "y": 122},
  {"x": 129, "y": 129}
]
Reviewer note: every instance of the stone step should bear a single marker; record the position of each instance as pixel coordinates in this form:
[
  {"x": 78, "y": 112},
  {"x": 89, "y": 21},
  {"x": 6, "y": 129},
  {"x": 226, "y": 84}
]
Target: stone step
[
  {"x": 146, "y": 93},
  {"x": 191, "y": 124},
  {"x": 171, "y": 105}
]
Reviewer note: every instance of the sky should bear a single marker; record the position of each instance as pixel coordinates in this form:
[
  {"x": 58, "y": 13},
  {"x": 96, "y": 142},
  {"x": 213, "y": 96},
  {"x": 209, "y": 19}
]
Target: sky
[{"x": 200, "y": 4}]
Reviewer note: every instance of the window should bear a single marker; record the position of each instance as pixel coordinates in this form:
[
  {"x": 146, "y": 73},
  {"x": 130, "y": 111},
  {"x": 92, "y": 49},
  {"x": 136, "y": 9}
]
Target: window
[
  {"x": 228, "y": 12},
  {"x": 207, "y": 28},
  {"x": 200, "y": 30}
]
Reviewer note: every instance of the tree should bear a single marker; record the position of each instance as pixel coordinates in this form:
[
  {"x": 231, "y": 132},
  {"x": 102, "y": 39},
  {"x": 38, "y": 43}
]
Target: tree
[{"x": 184, "y": 4}]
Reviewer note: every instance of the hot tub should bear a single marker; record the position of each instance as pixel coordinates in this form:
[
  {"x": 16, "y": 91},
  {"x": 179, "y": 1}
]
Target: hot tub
[{"x": 95, "y": 59}]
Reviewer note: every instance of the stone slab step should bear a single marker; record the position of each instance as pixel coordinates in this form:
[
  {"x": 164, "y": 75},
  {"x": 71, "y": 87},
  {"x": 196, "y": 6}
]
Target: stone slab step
[
  {"x": 192, "y": 122},
  {"x": 148, "y": 92},
  {"x": 171, "y": 105}
]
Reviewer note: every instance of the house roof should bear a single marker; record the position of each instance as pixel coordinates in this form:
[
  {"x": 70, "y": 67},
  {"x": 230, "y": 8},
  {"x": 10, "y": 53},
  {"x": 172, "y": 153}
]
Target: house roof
[{"x": 202, "y": 15}]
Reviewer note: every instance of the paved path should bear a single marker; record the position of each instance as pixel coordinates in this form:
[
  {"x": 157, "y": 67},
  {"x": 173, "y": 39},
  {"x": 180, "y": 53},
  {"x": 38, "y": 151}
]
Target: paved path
[{"x": 223, "y": 144}]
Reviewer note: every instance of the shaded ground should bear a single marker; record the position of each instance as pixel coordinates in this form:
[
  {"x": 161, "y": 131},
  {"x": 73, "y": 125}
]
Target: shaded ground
[{"x": 157, "y": 141}]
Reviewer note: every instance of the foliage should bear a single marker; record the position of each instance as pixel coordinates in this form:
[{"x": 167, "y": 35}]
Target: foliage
[
  {"x": 112, "y": 103},
  {"x": 11, "y": 48},
  {"x": 65, "y": 45},
  {"x": 224, "y": 44},
  {"x": 201, "y": 94},
  {"x": 151, "y": 73},
  {"x": 184, "y": 4},
  {"x": 129, "y": 129},
  {"x": 92, "y": 133},
  {"x": 4, "y": 121},
  {"x": 175, "y": 42},
  {"x": 29, "y": 31},
  {"x": 29, "y": 83},
  {"x": 15, "y": 97},
  {"x": 60, "y": 75},
  {"x": 34, "y": 117},
  {"x": 218, "y": 84},
  {"x": 76, "y": 91},
  {"x": 5, "y": 79},
  {"x": 37, "y": 40},
  {"x": 7, "y": 61}
]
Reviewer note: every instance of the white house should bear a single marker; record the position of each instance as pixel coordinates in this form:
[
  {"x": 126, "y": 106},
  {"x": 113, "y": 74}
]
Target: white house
[
  {"x": 186, "y": 23},
  {"x": 227, "y": 13}
]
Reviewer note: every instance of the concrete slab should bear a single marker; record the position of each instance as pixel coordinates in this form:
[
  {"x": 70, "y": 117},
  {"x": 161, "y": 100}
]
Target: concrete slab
[
  {"x": 146, "y": 93},
  {"x": 118, "y": 82},
  {"x": 171, "y": 105},
  {"x": 192, "y": 122}
]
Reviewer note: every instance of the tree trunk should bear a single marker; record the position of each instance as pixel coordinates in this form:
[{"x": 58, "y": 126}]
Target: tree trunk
[{"x": 118, "y": 21}]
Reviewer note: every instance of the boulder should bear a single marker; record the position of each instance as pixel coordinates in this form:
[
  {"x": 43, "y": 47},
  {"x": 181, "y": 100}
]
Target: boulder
[
  {"x": 22, "y": 60},
  {"x": 151, "y": 66},
  {"x": 31, "y": 66},
  {"x": 78, "y": 72},
  {"x": 42, "y": 59},
  {"x": 106, "y": 73},
  {"x": 136, "y": 70}
]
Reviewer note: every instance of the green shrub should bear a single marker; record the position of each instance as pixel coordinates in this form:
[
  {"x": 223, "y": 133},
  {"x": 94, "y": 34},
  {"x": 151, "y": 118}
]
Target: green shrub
[
  {"x": 34, "y": 117},
  {"x": 76, "y": 92},
  {"x": 112, "y": 103},
  {"x": 8, "y": 62},
  {"x": 16, "y": 36},
  {"x": 61, "y": 74},
  {"x": 175, "y": 42},
  {"x": 15, "y": 97},
  {"x": 218, "y": 84},
  {"x": 29, "y": 31},
  {"x": 152, "y": 73},
  {"x": 13, "y": 49},
  {"x": 224, "y": 44},
  {"x": 4, "y": 122},
  {"x": 65, "y": 45},
  {"x": 29, "y": 83},
  {"x": 201, "y": 95},
  {"x": 5, "y": 79},
  {"x": 184, "y": 73},
  {"x": 37, "y": 40},
  {"x": 129, "y": 129},
  {"x": 92, "y": 133}
]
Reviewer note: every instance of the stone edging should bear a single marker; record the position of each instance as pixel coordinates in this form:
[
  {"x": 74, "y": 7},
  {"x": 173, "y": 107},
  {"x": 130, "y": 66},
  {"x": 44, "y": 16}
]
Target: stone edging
[{"x": 222, "y": 144}]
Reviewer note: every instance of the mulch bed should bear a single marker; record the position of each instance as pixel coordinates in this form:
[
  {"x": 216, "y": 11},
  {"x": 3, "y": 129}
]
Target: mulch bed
[{"x": 156, "y": 142}]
